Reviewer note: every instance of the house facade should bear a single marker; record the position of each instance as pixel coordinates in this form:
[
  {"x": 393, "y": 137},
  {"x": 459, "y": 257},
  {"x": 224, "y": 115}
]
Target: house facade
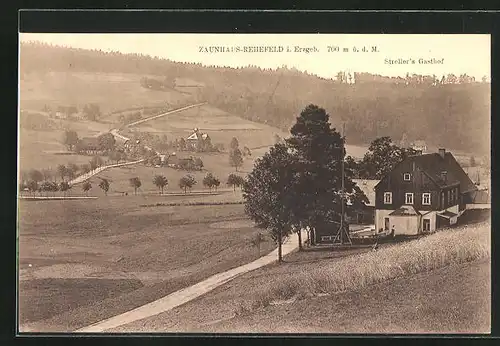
[
  {"x": 422, "y": 193},
  {"x": 194, "y": 139},
  {"x": 419, "y": 145}
]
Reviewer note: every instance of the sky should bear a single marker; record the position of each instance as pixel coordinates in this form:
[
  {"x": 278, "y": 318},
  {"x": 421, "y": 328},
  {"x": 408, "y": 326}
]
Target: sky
[{"x": 444, "y": 54}]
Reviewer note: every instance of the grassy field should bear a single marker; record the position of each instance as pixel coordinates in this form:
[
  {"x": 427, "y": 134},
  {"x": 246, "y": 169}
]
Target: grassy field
[
  {"x": 119, "y": 177},
  {"x": 37, "y": 149},
  {"x": 82, "y": 262},
  {"x": 439, "y": 283},
  {"x": 111, "y": 91}
]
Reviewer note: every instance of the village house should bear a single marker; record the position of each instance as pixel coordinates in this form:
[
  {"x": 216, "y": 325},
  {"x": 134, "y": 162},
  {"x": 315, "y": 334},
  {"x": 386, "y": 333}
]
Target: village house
[
  {"x": 194, "y": 138},
  {"x": 89, "y": 146},
  {"x": 422, "y": 193},
  {"x": 419, "y": 146},
  {"x": 122, "y": 143}
]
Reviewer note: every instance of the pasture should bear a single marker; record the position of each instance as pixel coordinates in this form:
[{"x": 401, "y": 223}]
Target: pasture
[
  {"x": 111, "y": 91},
  {"x": 81, "y": 262},
  {"x": 220, "y": 125}
]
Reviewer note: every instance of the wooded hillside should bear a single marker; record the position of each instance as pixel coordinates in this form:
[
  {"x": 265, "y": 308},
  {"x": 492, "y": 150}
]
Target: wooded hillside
[{"x": 453, "y": 112}]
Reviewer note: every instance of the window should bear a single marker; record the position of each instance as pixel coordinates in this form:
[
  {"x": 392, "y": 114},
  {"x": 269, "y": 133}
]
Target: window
[
  {"x": 449, "y": 197},
  {"x": 426, "y": 198},
  {"x": 409, "y": 198},
  {"x": 406, "y": 177},
  {"x": 442, "y": 200},
  {"x": 387, "y": 197},
  {"x": 426, "y": 225}
]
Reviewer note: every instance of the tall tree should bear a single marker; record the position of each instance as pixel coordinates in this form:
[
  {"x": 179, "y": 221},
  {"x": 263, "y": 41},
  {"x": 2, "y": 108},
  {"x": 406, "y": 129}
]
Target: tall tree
[
  {"x": 209, "y": 181},
  {"x": 63, "y": 171},
  {"x": 104, "y": 185},
  {"x": 235, "y": 181},
  {"x": 70, "y": 139},
  {"x": 135, "y": 183},
  {"x": 234, "y": 144},
  {"x": 382, "y": 156},
  {"x": 160, "y": 181},
  {"x": 187, "y": 182},
  {"x": 235, "y": 158},
  {"x": 86, "y": 187},
  {"x": 269, "y": 194},
  {"x": 319, "y": 155},
  {"x": 106, "y": 142}
]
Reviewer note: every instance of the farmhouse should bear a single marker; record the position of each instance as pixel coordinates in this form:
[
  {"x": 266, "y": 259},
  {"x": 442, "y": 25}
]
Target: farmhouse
[
  {"x": 419, "y": 145},
  {"x": 196, "y": 137},
  {"x": 422, "y": 193},
  {"x": 122, "y": 142},
  {"x": 366, "y": 214},
  {"x": 89, "y": 145}
]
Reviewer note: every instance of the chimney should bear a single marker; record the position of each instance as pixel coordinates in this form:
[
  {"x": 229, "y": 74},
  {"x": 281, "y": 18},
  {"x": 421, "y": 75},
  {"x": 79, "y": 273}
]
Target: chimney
[{"x": 442, "y": 151}]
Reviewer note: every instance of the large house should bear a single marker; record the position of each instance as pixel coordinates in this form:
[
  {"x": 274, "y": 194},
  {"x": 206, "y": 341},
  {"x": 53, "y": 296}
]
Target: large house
[
  {"x": 422, "y": 193},
  {"x": 419, "y": 145},
  {"x": 89, "y": 146},
  {"x": 194, "y": 138}
]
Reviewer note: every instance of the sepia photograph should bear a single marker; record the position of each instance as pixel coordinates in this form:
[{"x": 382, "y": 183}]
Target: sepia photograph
[{"x": 254, "y": 183}]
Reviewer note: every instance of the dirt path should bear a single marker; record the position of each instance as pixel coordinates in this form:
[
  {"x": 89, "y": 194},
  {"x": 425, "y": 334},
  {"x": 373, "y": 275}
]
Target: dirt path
[
  {"x": 86, "y": 176},
  {"x": 166, "y": 113},
  {"x": 185, "y": 295}
]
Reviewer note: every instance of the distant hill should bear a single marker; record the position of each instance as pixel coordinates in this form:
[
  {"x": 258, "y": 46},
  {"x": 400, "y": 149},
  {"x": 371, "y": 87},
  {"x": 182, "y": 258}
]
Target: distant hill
[{"x": 453, "y": 114}]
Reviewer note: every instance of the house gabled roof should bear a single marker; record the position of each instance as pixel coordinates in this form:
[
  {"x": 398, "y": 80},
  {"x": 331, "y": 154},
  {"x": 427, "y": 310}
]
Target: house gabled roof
[
  {"x": 433, "y": 165},
  {"x": 447, "y": 214},
  {"x": 405, "y": 210}
]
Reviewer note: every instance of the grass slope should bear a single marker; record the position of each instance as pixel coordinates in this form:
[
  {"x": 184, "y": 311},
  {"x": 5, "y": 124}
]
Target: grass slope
[
  {"x": 111, "y": 91},
  {"x": 438, "y": 283}
]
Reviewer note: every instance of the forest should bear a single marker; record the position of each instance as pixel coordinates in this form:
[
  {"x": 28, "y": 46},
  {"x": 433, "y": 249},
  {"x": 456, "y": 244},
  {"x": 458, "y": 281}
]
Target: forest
[{"x": 450, "y": 111}]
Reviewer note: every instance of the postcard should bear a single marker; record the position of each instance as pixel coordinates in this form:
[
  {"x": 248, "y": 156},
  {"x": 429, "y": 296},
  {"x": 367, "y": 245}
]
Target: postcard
[{"x": 254, "y": 183}]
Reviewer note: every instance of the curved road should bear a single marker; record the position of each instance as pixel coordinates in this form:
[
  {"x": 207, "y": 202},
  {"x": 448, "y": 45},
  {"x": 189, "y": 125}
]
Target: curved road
[{"x": 185, "y": 295}]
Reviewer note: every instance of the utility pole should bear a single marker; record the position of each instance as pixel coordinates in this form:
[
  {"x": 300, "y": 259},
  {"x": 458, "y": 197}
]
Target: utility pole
[{"x": 342, "y": 231}]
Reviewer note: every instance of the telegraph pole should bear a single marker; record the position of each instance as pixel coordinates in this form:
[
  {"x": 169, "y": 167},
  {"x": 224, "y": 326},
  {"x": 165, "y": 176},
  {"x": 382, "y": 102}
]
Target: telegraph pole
[{"x": 339, "y": 237}]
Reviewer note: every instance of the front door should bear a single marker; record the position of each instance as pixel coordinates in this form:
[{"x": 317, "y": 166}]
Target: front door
[
  {"x": 386, "y": 224},
  {"x": 426, "y": 225}
]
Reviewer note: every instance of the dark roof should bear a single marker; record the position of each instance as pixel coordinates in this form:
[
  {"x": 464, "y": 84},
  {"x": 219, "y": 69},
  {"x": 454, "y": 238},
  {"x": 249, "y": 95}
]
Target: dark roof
[
  {"x": 121, "y": 141},
  {"x": 447, "y": 214},
  {"x": 433, "y": 165},
  {"x": 405, "y": 210},
  {"x": 481, "y": 197}
]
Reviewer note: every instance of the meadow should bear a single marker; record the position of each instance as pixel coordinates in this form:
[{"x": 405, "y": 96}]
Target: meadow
[
  {"x": 432, "y": 284},
  {"x": 82, "y": 262},
  {"x": 112, "y": 91}
]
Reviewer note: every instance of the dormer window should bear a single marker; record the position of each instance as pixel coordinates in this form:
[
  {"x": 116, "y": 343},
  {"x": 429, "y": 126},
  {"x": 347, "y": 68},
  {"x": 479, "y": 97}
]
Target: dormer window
[{"x": 406, "y": 176}]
